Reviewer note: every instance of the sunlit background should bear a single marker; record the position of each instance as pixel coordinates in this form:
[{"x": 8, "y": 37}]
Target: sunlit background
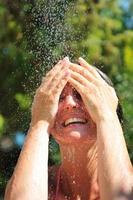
[{"x": 34, "y": 35}]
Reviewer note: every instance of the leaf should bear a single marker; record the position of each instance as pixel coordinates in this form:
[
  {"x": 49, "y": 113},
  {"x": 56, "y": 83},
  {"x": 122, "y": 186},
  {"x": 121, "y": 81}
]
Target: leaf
[
  {"x": 23, "y": 100},
  {"x": 128, "y": 58},
  {"x": 2, "y": 124}
]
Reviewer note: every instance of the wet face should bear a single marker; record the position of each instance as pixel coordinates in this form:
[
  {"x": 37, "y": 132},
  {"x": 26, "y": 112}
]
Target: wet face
[{"x": 73, "y": 122}]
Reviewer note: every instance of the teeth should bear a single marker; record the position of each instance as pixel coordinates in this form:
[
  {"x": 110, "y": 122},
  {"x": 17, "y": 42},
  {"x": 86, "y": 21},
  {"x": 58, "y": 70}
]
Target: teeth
[{"x": 73, "y": 120}]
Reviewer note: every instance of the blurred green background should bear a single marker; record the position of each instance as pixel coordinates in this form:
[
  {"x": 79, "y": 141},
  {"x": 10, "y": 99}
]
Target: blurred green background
[{"x": 34, "y": 35}]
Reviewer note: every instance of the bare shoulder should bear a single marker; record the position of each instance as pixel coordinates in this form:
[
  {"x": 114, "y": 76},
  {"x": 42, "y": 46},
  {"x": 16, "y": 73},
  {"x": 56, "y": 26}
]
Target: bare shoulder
[{"x": 52, "y": 181}]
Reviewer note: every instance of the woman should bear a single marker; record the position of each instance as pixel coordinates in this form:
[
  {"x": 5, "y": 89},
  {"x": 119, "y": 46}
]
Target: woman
[{"x": 78, "y": 108}]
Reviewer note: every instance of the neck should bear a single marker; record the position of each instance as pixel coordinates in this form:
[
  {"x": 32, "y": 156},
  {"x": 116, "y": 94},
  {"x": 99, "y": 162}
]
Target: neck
[{"x": 78, "y": 169}]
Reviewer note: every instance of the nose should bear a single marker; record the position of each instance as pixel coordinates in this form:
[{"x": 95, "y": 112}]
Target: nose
[{"x": 70, "y": 102}]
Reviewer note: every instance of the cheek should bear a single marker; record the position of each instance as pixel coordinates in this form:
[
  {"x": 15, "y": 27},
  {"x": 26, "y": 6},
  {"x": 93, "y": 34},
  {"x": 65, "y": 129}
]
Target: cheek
[
  {"x": 56, "y": 128},
  {"x": 58, "y": 117}
]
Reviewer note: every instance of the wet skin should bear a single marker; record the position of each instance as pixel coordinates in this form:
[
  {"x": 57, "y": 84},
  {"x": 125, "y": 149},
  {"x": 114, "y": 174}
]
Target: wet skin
[
  {"x": 84, "y": 167},
  {"x": 72, "y": 106}
]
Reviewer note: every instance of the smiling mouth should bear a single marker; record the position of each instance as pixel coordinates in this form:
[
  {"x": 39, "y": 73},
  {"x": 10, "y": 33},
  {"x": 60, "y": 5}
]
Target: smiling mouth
[{"x": 74, "y": 121}]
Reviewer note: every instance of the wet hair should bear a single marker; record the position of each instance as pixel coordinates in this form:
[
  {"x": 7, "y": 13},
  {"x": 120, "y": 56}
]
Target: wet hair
[{"x": 119, "y": 110}]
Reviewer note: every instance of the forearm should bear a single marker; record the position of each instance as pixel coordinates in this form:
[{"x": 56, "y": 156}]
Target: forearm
[
  {"x": 114, "y": 166},
  {"x": 29, "y": 180}
]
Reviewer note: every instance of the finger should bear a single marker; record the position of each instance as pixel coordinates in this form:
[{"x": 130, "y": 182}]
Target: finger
[
  {"x": 53, "y": 73},
  {"x": 57, "y": 66},
  {"x": 57, "y": 78},
  {"x": 77, "y": 85},
  {"x": 82, "y": 90},
  {"x": 55, "y": 69},
  {"x": 78, "y": 77},
  {"x": 82, "y": 82},
  {"x": 61, "y": 84},
  {"x": 89, "y": 67},
  {"x": 88, "y": 84},
  {"x": 82, "y": 71}
]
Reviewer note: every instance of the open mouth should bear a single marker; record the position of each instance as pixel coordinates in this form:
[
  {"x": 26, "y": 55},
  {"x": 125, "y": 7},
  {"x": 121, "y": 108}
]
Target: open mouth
[{"x": 74, "y": 121}]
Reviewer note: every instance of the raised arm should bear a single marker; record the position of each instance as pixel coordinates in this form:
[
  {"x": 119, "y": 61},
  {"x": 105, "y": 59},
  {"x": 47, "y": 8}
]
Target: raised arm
[
  {"x": 30, "y": 178},
  {"x": 114, "y": 166},
  {"x": 115, "y": 171}
]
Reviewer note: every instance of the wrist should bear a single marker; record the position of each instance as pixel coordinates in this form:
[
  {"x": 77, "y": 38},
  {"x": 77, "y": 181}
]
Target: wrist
[
  {"x": 40, "y": 124},
  {"x": 109, "y": 117}
]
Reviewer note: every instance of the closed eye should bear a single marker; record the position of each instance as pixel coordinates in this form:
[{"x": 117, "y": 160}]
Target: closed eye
[{"x": 62, "y": 97}]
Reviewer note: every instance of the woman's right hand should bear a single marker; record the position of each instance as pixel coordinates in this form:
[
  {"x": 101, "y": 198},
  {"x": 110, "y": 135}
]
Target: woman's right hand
[{"x": 45, "y": 104}]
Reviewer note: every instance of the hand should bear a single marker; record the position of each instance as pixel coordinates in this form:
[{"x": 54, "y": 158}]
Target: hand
[
  {"x": 45, "y": 104},
  {"x": 99, "y": 98}
]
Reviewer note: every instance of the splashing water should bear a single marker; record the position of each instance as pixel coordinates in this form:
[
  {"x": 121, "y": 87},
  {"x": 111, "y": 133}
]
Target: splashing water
[{"x": 47, "y": 34}]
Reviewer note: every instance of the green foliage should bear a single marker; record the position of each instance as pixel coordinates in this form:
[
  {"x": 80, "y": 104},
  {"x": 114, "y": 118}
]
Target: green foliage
[
  {"x": 2, "y": 124},
  {"x": 33, "y": 36},
  {"x": 54, "y": 154},
  {"x": 23, "y": 100},
  {"x": 128, "y": 55},
  {"x": 104, "y": 39}
]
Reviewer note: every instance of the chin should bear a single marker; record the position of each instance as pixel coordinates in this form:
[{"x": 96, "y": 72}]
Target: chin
[{"x": 74, "y": 134}]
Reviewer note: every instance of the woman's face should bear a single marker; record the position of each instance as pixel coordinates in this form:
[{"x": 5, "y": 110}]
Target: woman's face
[{"x": 73, "y": 122}]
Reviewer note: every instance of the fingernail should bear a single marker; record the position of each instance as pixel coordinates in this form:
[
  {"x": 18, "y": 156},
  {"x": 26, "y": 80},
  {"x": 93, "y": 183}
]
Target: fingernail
[
  {"x": 66, "y": 58},
  {"x": 80, "y": 58},
  {"x": 60, "y": 61}
]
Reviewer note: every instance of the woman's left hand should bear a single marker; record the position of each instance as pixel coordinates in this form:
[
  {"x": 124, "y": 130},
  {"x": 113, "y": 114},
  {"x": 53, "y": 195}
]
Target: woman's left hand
[{"x": 98, "y": 96}]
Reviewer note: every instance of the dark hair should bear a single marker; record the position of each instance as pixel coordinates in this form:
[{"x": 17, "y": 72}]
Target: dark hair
[{"x": 119, "y": 107}]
